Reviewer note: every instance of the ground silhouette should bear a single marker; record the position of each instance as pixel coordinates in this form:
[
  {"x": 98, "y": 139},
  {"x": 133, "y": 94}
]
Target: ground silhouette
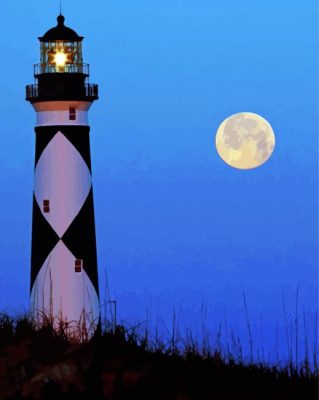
[{"x": 44, "y": 364}]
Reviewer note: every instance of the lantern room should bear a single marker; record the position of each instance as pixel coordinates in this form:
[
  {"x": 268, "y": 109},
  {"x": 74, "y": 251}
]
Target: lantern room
[
  {"x": 61, "y": 50},
  {"x": 61, "y": 56},
  {"x": 61, "y": 73}
]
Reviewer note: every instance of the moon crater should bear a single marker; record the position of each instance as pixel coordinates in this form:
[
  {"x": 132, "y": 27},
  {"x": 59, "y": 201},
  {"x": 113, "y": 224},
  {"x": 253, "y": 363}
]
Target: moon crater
[{"x": 245, "y": 140}]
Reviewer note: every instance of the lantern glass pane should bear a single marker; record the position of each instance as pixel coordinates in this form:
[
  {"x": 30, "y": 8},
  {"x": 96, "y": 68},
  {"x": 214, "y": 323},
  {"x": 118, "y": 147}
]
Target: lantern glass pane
[{"x": 61, "y": 56}]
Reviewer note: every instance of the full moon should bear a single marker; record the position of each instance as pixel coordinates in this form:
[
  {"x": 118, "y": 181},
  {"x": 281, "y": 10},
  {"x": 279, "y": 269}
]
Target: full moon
[{"x": 245, "y": 140}]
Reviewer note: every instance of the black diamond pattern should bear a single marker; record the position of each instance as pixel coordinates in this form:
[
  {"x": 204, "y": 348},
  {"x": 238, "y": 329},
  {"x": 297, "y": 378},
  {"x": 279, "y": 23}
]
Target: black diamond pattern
[
  {"x": 44, "y": 239},
  {"x": 44, "y": 135},
  {"x": 80, "y": 239},
  {"x": 79, "y": 136}
]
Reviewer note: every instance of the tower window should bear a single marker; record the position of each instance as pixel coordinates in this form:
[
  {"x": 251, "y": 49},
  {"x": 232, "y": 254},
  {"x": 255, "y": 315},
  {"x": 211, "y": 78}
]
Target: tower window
[
  {"x": 46, "y": 206},
  {"x": 72, "y": 113},
  {"x": 78, "y": 264}
]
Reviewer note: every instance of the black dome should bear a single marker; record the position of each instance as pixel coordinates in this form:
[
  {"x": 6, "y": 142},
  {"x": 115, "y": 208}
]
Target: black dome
[{"x": 61, "y": 32}]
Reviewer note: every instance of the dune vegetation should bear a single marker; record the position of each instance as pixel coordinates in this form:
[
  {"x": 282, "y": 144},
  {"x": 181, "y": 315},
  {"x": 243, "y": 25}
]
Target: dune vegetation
[{"x": 39, "y": 362}]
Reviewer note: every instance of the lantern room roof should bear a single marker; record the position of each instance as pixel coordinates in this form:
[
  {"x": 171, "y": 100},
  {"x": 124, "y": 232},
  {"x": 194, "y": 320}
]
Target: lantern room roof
[{"x": 61, "y": 32}]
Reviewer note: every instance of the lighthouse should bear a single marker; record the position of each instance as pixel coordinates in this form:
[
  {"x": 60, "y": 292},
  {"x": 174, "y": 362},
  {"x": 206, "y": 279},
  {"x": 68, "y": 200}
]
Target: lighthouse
[{"x": 64, "y": 278}]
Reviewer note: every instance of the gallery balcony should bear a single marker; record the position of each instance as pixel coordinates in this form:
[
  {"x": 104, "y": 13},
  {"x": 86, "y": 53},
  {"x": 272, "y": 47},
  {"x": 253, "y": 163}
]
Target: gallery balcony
[
  {"x": 40, "y": 69},
  {"x": 59, "y": 92}
]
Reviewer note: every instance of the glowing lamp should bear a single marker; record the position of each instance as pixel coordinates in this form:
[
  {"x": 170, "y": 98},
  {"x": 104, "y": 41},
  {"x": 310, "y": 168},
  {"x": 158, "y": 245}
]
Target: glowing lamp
[{"x": 60, "y": 59}]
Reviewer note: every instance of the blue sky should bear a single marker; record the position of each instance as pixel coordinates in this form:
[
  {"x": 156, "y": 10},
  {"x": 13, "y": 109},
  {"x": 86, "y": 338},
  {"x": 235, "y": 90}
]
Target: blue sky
[{"x": 175, "y": 225}]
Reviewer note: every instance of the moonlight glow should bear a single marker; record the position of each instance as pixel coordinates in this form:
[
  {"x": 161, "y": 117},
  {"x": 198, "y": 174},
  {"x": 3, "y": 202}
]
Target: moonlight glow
[{"x": 245, "y": 140}]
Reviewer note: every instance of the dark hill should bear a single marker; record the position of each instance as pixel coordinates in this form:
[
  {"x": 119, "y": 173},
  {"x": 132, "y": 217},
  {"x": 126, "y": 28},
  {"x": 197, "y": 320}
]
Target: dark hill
[{"x": 41, "y": 364}]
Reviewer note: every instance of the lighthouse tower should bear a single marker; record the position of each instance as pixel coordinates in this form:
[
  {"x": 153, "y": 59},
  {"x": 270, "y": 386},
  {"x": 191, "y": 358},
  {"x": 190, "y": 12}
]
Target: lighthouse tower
[{"x": 64, "y": 281}]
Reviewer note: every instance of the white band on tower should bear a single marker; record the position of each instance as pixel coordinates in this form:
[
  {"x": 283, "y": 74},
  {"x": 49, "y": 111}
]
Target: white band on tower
[{"x": 52, "y": 113}]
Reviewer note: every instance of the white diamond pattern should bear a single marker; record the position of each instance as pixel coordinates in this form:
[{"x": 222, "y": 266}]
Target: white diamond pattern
[
  {"x": 67, "y": 292},
  {"x": 63, "y": 178}
]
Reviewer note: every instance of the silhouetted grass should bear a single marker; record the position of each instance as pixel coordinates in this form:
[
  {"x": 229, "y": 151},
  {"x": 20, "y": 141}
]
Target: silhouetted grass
[{"x": 38, "y": 362}]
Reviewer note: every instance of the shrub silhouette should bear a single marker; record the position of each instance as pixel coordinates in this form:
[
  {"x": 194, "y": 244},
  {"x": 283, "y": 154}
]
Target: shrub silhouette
[{"x": 38, "y": 362}]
